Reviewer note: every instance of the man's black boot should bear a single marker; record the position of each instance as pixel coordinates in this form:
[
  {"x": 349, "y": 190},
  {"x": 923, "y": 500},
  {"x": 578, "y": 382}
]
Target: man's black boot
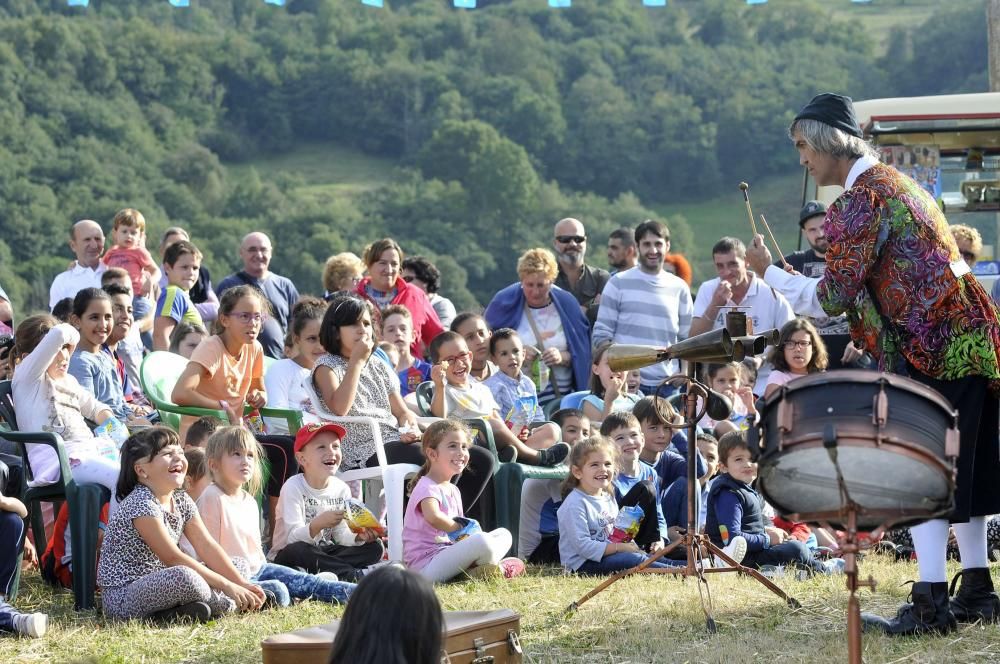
[
  {"x": 928, "y": 612},
  {"x": 976, "y": 599}
]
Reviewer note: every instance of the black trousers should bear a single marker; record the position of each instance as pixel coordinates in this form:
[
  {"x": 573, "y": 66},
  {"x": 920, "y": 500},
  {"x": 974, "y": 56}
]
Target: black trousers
[
  {"x": 977, "y": 489},
  {"x": 643, "y": 494},
  {"x": 344, "y": 561},
  {"x": 11, "y": 540},
  {"x": 470, "y": 483}
]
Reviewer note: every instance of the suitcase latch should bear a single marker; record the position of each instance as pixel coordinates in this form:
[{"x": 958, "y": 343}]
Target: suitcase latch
[
  {"x": 481, "y": 656},
  {"x": 513, "y": 642}
]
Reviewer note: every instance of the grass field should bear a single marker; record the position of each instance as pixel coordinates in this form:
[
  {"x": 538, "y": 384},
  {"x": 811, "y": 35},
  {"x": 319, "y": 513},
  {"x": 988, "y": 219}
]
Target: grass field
[{"x": 642, "y": 619}]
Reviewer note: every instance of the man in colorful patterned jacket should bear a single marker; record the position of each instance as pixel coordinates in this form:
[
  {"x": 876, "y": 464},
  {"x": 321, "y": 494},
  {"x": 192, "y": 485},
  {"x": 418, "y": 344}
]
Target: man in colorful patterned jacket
[{"x": 894, "y": 268}]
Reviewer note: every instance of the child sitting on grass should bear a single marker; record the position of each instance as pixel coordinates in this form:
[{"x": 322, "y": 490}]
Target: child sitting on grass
[
  {"x": 232, "y": 518},
  {"x": 538, "y": 526},
  {"x": 588, "y": 540},
  {"x": 457, "y": 395},
  {"x": 310, "y": 531},
  {"x": 439, "y": 541},
  {"x": 513, "y": 391},
  {"x": 142, "y": 572},
  {"x": 735, "y": 509}
]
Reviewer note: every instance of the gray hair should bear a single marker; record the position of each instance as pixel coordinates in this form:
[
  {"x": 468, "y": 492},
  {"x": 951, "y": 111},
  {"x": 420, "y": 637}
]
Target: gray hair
[{"x": 828, "y": 140}]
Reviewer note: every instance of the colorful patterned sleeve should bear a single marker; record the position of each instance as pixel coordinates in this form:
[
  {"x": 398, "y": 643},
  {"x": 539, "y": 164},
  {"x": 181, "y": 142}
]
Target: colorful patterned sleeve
[{"x": 852, "y": 228}]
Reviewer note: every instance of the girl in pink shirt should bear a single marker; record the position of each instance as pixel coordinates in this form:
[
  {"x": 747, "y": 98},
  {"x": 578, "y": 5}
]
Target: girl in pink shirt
[
  {"x": 439, "y": 542},
  {"x": 800, "y": 352},
  {"x": 231, "y": 517}
]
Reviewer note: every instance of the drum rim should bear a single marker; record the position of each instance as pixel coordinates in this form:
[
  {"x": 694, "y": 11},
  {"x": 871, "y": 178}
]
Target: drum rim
[{"x": 864, "y": 376}]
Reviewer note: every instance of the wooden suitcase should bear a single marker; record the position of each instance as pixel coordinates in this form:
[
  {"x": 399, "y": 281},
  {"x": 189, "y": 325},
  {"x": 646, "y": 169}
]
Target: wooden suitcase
[{"x": 470, "y": 637}]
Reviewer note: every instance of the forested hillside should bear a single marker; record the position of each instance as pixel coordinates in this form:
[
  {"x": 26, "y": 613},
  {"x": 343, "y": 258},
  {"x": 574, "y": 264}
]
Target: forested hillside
[{"x": 502, "y": 119}]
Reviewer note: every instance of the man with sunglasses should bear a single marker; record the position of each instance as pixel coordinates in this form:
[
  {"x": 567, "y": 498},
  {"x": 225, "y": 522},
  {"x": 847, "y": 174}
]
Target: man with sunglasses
[
  {"x": 585, "y": 282},
  {"x": 279, "y": 291}
]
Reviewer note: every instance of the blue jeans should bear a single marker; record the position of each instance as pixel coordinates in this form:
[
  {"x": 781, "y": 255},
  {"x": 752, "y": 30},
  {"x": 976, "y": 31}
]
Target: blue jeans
[
  {"x": 287, "y": 583},
  {"x": 7, "y": 615},
  {"x": 618, "y": 562}
]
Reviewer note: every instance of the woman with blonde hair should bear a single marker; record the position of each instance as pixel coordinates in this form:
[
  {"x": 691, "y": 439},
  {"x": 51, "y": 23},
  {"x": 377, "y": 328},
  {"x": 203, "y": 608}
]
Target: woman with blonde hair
[{"x": 549, "y": 322}]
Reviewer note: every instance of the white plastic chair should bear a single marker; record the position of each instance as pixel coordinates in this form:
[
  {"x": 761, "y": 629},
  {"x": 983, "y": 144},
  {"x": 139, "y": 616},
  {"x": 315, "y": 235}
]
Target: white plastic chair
[{"x": 393, "y": 478}]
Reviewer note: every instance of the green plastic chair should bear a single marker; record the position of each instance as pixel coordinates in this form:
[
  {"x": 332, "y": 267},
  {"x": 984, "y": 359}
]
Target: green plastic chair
[
  {"x": 158, "y": 375},
  {"x": 84, "y": 502}
]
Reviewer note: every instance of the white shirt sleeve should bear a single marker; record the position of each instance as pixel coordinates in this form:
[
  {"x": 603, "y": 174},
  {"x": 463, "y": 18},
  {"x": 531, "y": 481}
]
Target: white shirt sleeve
[{"x": 799, "y": 290}]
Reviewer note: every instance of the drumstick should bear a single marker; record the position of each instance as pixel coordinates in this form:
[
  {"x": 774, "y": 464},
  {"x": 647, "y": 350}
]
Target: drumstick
[
  {"x": 746, "y": 199},
  {"x": 774, "y": 242}
]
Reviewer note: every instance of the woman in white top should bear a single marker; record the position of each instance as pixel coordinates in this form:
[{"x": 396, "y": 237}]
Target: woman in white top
[
  {"x": 48, "y": 398},
  {"x": 286, "y": 380}
]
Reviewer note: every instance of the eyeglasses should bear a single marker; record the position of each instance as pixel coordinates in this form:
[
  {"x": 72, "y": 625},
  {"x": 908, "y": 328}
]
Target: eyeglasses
[
  {"x": 409, "y": 278},
  {"x": 463, "y": 357},
  {"x": 566, "y": 239},
  {"x": 245, "y": 316},
  {"x": 798, "y": 344}
]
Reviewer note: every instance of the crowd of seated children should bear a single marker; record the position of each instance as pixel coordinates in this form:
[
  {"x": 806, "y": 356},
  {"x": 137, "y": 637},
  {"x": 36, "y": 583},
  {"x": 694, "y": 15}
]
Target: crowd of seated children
[
  {"x": 141, "y": 571},
  {"x": 12, "y": 538},
  {"x": 538, "y": 526},
  {"x": 311, "y": 532},
  {"x": 589, "y": 543},
  {"x": 397, "y": 330},
  {"x": 456, "y": 394},
  {"x": 439, "y": 541},
  {"x": 231, "y": 516},
  {"x": 735, "y": 509},
  {"x": 181, "y": 262},
  {"x": 472, "y": 327},
  {"x": 514, "y": 393},
  {"x": 286, "y": 379},
  {"x": 607, "y": 389},
  {"x": 800, "y": 352},
  {"x": 349, "y": 380}
]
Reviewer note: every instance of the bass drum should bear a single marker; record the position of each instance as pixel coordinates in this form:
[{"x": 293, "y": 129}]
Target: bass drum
[{"x": 895, "y": 441}]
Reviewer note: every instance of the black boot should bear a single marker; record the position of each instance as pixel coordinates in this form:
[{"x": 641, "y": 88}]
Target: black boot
[
  {"x": 928, "y": 612},
  {"x": 195, "y": 611},
  {"x": 975, "y": 599}
]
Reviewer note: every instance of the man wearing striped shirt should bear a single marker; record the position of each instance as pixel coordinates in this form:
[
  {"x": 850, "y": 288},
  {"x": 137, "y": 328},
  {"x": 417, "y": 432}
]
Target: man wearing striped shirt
[{"x": 646, "y": 305}]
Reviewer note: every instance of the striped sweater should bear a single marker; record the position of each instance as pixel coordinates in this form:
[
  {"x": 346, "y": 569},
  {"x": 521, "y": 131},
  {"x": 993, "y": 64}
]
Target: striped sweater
[{"x": 640, "y": 308}]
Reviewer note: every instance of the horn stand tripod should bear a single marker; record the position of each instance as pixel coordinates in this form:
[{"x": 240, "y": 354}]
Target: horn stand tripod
[{"x": 716, "y": 346}]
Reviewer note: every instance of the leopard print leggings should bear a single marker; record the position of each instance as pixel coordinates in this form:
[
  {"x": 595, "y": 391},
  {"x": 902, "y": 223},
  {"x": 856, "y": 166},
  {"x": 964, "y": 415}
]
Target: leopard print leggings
[{"x": 165, "y": 589}]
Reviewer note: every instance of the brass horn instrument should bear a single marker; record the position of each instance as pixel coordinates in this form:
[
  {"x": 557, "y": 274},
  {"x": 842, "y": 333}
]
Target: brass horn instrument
[{"x": 713, "y": 346}]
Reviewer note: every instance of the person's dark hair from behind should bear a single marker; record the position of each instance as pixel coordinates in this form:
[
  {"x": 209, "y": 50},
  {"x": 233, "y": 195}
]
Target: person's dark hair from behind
[
  {"x": 63, "y": 309},
  {"x": 405, "y": 630},
  {"x": 200, "y": 430}
]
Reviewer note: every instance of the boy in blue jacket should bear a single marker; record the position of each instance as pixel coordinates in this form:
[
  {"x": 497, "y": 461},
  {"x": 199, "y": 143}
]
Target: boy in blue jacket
[{"x": 735, "y": 509}]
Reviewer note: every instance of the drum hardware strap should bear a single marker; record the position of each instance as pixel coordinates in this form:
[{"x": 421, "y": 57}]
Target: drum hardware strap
[
  {"x": 880, "y": 412},
  {"x": 830, "y": 443}
]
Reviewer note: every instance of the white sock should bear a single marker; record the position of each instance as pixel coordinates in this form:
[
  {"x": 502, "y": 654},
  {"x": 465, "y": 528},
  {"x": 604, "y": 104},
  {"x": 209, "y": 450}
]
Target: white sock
[
  {"x": 930, "y": 541},
  {"x": 971, "y": 538}
]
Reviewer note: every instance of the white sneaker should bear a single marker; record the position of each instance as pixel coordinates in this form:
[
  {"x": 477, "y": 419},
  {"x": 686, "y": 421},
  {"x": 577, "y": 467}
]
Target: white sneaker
[
  {"x": 31, "y": 624},
  {"x": 736, "y": 550},
  {"x": 327, "y": 576}
]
